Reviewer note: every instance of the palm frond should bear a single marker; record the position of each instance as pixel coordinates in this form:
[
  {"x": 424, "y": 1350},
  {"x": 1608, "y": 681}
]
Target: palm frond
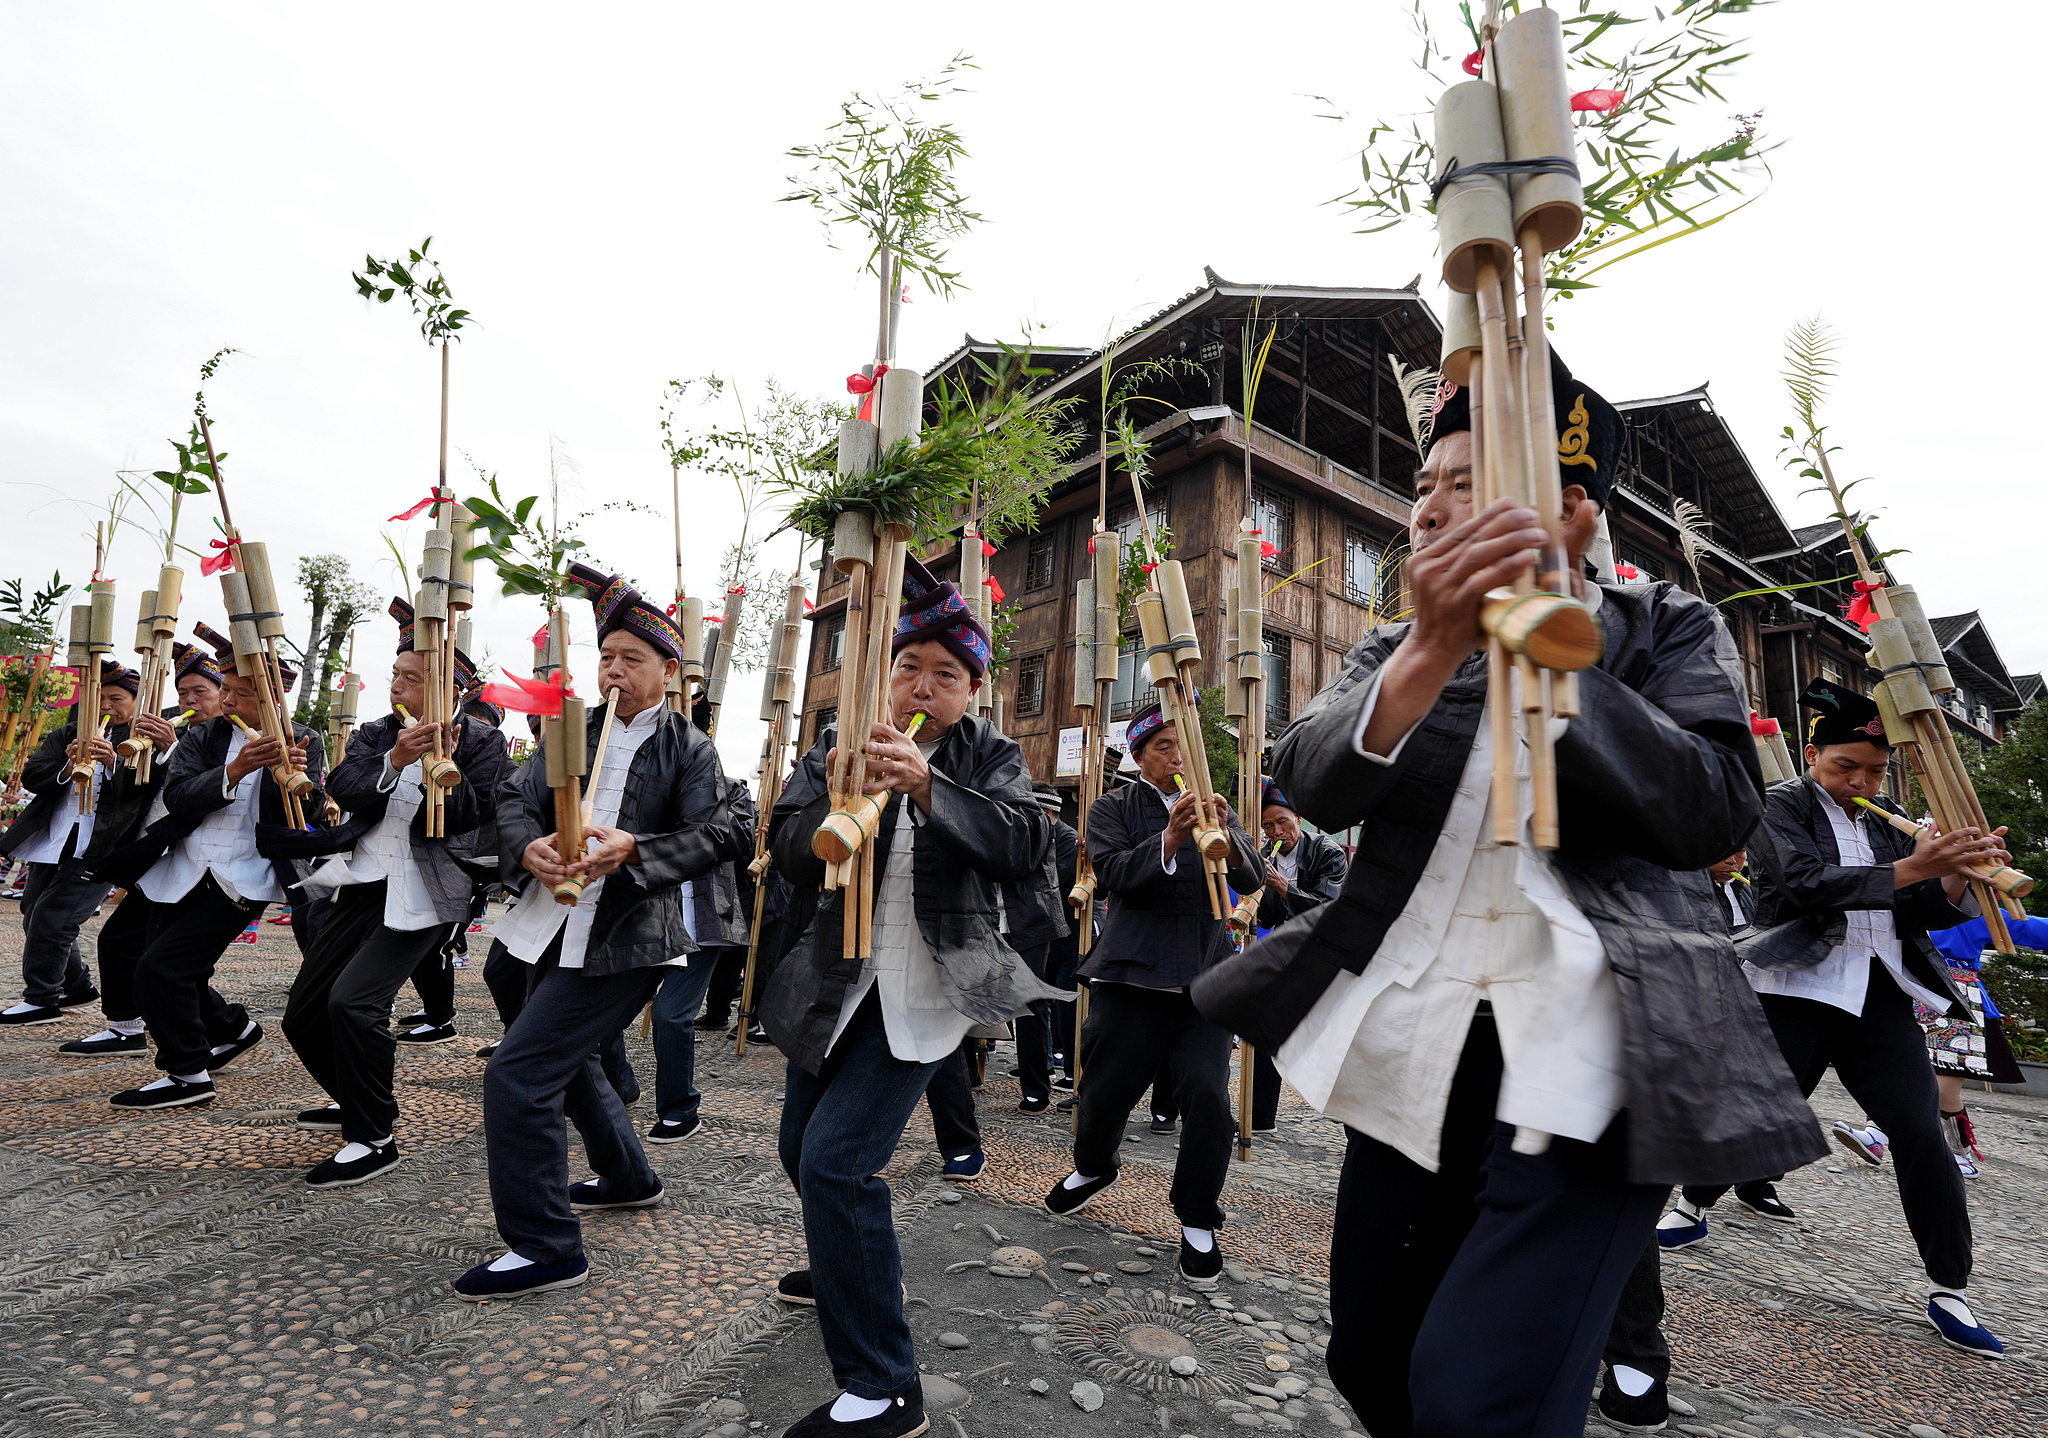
[
  {"x": 1417, "y": 384},
  {"x": 1809, "y": 368}
]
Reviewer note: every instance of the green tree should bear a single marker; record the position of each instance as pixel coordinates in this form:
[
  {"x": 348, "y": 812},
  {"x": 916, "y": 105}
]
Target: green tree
[
  {"x": 1223, "y": 749},
  {"x": 338, "y": 603},
  {"x": 2012, "y": 783}
]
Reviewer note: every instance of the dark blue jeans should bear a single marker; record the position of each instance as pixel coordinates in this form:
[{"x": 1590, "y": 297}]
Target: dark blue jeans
[
  {"x": 675, "y": 1036},
  {"x": 840, "y": 1127}
]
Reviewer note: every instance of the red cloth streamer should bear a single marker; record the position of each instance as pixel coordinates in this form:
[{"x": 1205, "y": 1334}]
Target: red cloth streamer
[
  {"x": 529, "y": 696},
  {"x": 1860, "y": 611},
  {"x": 808, "y": 606},
  {"x": 1627, "y": 571},
  {"x": 862, "y": 384},
  {"x": 1761, "y": 727},
  {"x": 714, "y": 619},
  {"x": 434, "y": 497},
  {"x": 540, "y": 637},
  {"x": 741, "y": 590},
  {"x": 1600, "y": 100},
  {"x": 1475, "y": 62},
  {"x": 988, "y": 551},
  {"x": 215, "y": 563},
  {"x": 1148, "y": 568},
  {"x": 995, "y": 590},
  {"x": 671, "y": 609}
]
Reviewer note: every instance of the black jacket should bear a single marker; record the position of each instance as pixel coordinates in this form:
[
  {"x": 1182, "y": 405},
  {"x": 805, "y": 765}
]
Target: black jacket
[
  {"x": 121, "y": 806},
  {"x": 725, "y": 906},
  {"x": 1657, "y": 779},
  {"x": 192, "y": 790},
  {"x": 1035, "y": 908},
  {"x": 1318, "y": 876},
  {"x": 676, "y": 805},
  {"x": 1160, "y": 932},
  {"x": 985, "y": 828},
  {"x": 1804, "y": 891},
  {"x": 468, "y": 811}
]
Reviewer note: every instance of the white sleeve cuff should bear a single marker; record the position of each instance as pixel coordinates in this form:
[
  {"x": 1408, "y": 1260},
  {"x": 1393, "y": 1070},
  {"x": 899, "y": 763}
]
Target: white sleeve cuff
[
  {"x": 1372, "y": 700},
  {"x": 227, "y": 790},
  {"x": 1170, "y": 862},
  {"x": 388, "y": 780}
]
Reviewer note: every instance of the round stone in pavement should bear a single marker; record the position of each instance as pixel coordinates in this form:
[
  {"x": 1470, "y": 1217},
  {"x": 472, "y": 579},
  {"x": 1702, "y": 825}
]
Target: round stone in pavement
[
  {"x": 1151, "y": 1341},
  {"x": 1017, "y": 1256},
  {"x": 952, "y": 1340},
  {"x": 943, "y": 1395}
]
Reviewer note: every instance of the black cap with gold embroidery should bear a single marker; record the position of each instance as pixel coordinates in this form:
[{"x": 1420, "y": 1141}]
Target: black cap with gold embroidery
[
  {"x": 1590, "y": 432},
  {"x": 1841, "y": 716}
]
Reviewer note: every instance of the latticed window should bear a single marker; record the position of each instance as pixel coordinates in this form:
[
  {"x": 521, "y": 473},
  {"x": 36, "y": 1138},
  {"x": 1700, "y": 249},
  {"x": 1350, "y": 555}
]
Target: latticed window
[
  {"x": 1125, "y": 523},
  {"x": 1031, "y": 685},
  {"x": 835, "y": 642},
  {"x": 1362, "y": 558},
  {"x": 1038, "y": 563},
  {"x": 826, "y": 719},
  {"x": 1131, "y": 692},
  {"x": 1273, "y": 517},
  {"x": 1279, "y": 664}
]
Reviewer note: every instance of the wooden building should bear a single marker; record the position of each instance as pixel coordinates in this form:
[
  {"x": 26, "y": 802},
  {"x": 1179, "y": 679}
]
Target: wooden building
[{"x": 1332, "y": 464}]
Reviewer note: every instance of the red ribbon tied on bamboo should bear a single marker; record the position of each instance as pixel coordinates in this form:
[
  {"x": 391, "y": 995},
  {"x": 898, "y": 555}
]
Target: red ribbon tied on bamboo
[
  {"x": 995, "y": 590},
  {"x": 1861, "y": 612},
  {"x": 434, "y": 497},
  {"x": 1598, "y": 101},
  {"x": 1266, "y": 549},
  {"x": 1761, "y": 727},
  {"x": 529, "y": 696},
  {"x": 215, "y": 563}
]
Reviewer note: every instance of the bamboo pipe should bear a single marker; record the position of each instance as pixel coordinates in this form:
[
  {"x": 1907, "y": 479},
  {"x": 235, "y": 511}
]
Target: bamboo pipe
[
  {"x": 566, "y": 762},
  {"x": 604, "y": 739},
  {"x": 1246, "y": 1066},
  {"x": 2002, "y": 877}
]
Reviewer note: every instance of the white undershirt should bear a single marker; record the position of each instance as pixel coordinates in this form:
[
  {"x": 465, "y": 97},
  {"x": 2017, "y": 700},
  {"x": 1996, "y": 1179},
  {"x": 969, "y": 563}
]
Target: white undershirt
[
  {"x": 1379, "y": 1049},
  {"x": 386, "y": 853},
  {"x": 1289, "y": 864},
  {"x": 922, "y": 1024},
  {"x": 531, "y": 926},
  {"x": 224, "y": 845},
  {"x": 1843, "y": 978},
  {"x": 48, "y": 847}
]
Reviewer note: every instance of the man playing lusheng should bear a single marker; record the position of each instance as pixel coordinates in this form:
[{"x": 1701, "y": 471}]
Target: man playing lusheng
[
  {"x": 1839, "y": 955},
  {"x": 864, "y": 1037},
  {"x": 397, "y": 894},
  {"x": 1529, "y": 1048},
  {"x": 1159, "y": 936},
  {"x": 658, "y": 821}
]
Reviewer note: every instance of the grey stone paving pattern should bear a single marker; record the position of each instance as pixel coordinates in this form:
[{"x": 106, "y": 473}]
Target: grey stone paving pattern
[{"x": 169, "y": 1274}]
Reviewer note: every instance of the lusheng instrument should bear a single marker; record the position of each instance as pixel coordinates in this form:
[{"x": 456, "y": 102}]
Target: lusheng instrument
[
  {"x": 562, "y": 740},
  {"x": 1508, "y": 195},
  {"x": 2002, "y": 877},
  {"x": 872, "y": 557},
  {"x": 778, "y": 699},
  {"x": 155, "y": 626}
]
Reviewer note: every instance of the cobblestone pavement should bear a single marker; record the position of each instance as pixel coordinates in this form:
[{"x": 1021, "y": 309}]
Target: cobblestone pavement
[{"x": 169, "y": 1274}]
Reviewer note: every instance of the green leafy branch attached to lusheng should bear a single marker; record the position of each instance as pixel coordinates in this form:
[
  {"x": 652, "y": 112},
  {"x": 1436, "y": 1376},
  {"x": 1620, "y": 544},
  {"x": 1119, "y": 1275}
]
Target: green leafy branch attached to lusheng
[
  {"x": 418, "y": 277},
  {"x": 28, "y": 623},
  {"x": 1641, "y": 190}
]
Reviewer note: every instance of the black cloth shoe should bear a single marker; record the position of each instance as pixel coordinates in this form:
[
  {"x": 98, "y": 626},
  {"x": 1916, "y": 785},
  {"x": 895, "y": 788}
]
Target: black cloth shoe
[
  {"x": 228, "y": 1053},
  {"x": 176, "y": 1094},
  {"x": 1065, "y": 1105},
  {"x": 1063, "y": 1080},
  {"x": 325, "y": 1119},
  {"x": 1028, "y": 1104},
  {"x": 1765, "y": 1203},
  {"x": 1644, "y": 1413},
  {"x": 40, "y": 1014},
  {"x": 585, "y": 1196},
  {"x": 1199, "y": 1267},
  {"x": 903, "y": 1418},
  {"x": 480, "y": 1283},
  {"x": 708, "y": 1020},
  {"x": 1162, "y": 1124},
  {"x": 675, "y": 1130},
  {"x": 108, "y": 1042},
  {"x": 486, "y": 1051},
  {"x": 796, "y": 1288},
  {"x": 413, "y": 1020},
  {"x": 331, "y": 1173},
  {"x": 419, "y": 1035},
  {"x": 1072, "y": 1200},
  {"x": 79, "y": 998}
]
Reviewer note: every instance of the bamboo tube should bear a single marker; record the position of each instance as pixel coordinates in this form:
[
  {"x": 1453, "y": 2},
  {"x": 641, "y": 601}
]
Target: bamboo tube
[
  {"x": 1927, "y": 653},
  {"x": 571, "y": 735},
  {"x": 253, "y": 560},
  {"x": 1084, "y": 644},
  {"x": 1536, "y": 123},
  {"x": 170, "y": 591},
  {"x": 1473, "y": 218},
  {"x": 721, "y": 663},
  {"x": 81, "y": 636},
  {"x": 461, "y": 568},
  {"x": 1109, "y": 623},
  {"x": 604, "y": 739},
  {"x": 2002, "y": 877},
  {"x": 1461, "y": 337},
  {"x": 1245, "y": 1067},
  {"x": 1180, "y": 614},
  {"x": 145, "y": 623},
  {"x": 1233, "y": 691}
]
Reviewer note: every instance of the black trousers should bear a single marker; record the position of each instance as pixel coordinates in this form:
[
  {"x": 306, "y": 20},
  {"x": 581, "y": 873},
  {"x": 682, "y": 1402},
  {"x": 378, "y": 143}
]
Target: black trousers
[
  {"x": 505, "y": 977},
  {"x": 173, "y": 981},
  {"x": 1636, "y": 1338},
  {"x": 1034, "y": 1033},
  {"x": 433, "y": 977},
  {"x": 729, "y": 968},
  {"x": 1129, "y": 1031},
  {"x": 337, "y": 1018},
  {"x": 954, "y": 1126},
  {"x": 1881, "y": 1058},
  {"x": 1265, "y": 1091},
  {"x": 1473, "y": 1302},
  {"x": 123, "y": 937}
]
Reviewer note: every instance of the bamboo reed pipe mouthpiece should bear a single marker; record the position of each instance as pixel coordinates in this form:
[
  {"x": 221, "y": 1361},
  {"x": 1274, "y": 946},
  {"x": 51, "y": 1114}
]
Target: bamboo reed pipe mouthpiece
[
  {"x": 461, "y": 568},
  {"x": 145, "y": 623},
  {"x": 183, "y": 719},
  {"x": 900, "y": 415},
  {"x": 100, "y": 633},
  {"x": 1927, "y": 651},
  {"x": 1553, "y": 631},
  {"x": 170, "y": 592},
  {"x": 1474, "y": 221},
  {"x": 1180, "y": 613},
  {"x": 1536, "y": 123},
  {"x": 1461, "y": 338},
  {"x": 2002, "y": 877}
]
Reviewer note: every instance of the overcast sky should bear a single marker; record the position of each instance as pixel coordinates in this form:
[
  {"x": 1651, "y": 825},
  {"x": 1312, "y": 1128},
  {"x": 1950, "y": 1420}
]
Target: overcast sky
[{"x": 601, "y": 182}]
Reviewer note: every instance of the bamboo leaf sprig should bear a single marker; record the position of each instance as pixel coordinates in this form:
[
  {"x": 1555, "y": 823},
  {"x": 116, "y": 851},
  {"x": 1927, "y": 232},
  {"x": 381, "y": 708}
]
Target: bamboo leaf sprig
[
  {"x": 887, "y": 173},
  {"x": 418, "y": 277},
  {"x": 1645, "y": 185}
]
